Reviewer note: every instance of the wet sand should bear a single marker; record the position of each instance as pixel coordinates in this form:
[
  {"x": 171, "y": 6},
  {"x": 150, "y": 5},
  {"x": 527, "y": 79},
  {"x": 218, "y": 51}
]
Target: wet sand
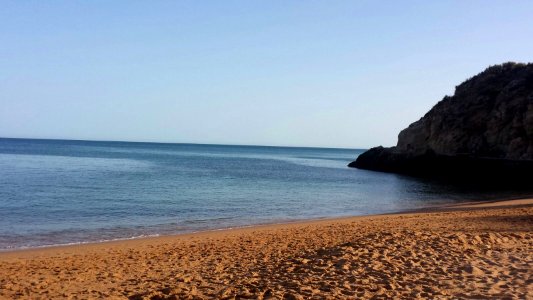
[{"x": 475, "y": 251}]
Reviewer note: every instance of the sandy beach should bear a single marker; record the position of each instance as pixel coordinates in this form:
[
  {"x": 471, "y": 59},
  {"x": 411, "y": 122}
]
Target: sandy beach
[{"x": 475, "y": 251}]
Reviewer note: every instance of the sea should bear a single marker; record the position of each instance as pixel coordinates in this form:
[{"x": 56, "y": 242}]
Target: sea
[{"x": 57, "y": 192}]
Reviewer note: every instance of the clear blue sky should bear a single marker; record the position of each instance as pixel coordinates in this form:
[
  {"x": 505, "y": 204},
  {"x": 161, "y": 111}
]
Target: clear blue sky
[{"x": 304, "y": 73}]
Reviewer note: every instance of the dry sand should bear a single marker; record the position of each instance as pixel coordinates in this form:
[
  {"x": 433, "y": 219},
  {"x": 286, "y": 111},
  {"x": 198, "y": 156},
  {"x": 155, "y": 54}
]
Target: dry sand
[{"x": 461, "y": 252}]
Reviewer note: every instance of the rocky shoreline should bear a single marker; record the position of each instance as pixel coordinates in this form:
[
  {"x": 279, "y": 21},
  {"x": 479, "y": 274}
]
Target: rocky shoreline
[
  {"x": 483, "y": 132},
  {"x": 454, "y": 169}
]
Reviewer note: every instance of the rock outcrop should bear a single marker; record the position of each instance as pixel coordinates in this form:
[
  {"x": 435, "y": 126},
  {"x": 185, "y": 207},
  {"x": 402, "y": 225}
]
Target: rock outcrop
[{"x": 484, "y": 131}]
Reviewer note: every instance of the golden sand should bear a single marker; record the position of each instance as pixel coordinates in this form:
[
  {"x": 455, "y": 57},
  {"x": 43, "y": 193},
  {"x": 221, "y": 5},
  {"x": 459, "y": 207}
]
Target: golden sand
[{"x": 471, "y": 251}]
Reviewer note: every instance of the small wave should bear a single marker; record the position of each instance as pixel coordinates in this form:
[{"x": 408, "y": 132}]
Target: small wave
[{"x": 7, "y": 249}]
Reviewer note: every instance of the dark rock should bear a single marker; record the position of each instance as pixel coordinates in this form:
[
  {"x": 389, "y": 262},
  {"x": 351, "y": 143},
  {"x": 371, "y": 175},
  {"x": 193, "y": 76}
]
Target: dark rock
[{"x": 484, "y": 131}]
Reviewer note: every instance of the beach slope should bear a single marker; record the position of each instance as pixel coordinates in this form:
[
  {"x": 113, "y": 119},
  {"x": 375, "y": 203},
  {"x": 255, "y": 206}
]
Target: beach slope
[{"x": 455, "y": 252}]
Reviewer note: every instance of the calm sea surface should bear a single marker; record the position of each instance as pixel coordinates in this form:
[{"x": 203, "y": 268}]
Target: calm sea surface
[{"x": 60, "y": 192}]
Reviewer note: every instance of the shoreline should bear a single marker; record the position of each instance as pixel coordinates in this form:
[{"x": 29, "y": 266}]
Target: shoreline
[
  {"x": 430, "y": 209},
  {"x": 189, "y": 235},
  {"x": 480, "y": 250}
]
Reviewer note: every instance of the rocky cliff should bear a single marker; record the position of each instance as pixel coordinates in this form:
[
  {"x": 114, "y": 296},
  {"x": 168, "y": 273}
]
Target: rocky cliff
[{"x": 484, "y": 130}]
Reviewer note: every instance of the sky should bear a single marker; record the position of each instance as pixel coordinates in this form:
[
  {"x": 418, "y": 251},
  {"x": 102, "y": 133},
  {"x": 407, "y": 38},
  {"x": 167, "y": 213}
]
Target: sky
[{"x": 289, "y": 73}]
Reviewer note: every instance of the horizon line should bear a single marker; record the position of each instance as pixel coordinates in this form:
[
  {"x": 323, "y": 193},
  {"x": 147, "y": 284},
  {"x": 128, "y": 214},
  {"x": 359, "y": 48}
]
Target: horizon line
[{"x": 178, "y": 143}]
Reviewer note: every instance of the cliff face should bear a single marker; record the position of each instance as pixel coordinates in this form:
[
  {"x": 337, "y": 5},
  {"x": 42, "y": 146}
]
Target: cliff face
[{"x": 486, "y": 125}]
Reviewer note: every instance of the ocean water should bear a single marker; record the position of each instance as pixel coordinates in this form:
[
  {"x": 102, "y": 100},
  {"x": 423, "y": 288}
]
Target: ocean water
[{"x": 61, "y": 192}]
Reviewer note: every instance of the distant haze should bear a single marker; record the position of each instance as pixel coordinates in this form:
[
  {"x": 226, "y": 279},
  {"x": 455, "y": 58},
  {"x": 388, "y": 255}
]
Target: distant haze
[{"x": 296, "y": 73}]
